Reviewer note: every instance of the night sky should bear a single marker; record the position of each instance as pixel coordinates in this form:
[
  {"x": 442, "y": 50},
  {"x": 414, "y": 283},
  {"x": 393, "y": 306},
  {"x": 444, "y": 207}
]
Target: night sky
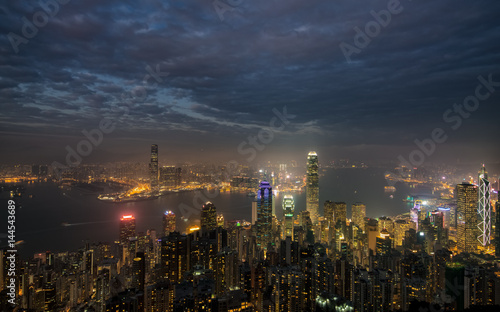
[{"x": 222, "y": 72}]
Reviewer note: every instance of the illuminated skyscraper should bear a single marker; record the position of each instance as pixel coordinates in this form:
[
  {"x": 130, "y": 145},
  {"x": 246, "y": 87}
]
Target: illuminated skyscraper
[
  {"x": 400, "y": 228},
  {"x": 359, "y": 214},
  {"x": 208, "y": 217},
  {"x": 312, "y": 186},
  {"x": 497, "y": 229},
  {"x": 153, "y": 168},
  {"x": 288, "y": 210},
  {"x": 264, "y": 214},
  {"x": 127, "y": 228},
  {"x": 467, "y": 195},
  {"x": 340, "y": 212},
  {"x": 168, "y": 222},
  {"x": 328, "y": 209},
  {"x": 484, "y": 208}
]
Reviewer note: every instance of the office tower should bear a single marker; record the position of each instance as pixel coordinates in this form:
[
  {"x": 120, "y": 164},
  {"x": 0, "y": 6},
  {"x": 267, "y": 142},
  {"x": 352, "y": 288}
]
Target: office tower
[
  {"x": 328, "y": 210},
  {"x": 127, "y": 228},
  {"x": 288, "y": 210},
  {"x": 208, "y": 217},
  {"x": 467, "y": 195},
  {"x": 254, "y": 212},
  {"x": 484, "y": 208},
  {"x": 312, "y": 186},
  {"x": 139, "y": 271},
  {"x": 359, "y": 214},
  {"x": 168, "y": 222},
  {"x": 153, "y": 168},
  {"x": 497, "y": 229},
  {"x": 264, "y": 214},
  {"x": 340, "y": 213},
  {"x": 400, "y": 228}
]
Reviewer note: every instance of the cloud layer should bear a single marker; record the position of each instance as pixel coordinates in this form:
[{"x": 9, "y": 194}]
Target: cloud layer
[{"x": 225, "y": 76}]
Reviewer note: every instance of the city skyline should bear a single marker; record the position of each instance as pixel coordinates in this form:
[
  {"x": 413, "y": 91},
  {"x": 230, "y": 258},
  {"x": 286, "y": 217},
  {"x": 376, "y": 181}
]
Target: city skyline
[{"x": 249, "y": 156}]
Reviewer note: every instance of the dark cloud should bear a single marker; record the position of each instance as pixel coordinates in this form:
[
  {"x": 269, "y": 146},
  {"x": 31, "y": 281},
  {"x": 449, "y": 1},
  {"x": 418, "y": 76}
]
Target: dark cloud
[{"x": 96, "y": 59}]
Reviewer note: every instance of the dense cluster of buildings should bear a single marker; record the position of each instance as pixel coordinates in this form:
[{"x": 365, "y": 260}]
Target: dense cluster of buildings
[{"x": 439, "y": 255}]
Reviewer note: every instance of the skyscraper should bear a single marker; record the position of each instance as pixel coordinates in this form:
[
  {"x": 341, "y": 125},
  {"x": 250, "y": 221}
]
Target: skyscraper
[
  {"x": 484, "y": 208},
  {"x": 208, "y": 217},
  {"x": 467, "y": 195},
  {"x": 497, "y": 229},
  {"x": 328, "y": 210},
  {"x": 264, "y": 214},
  {"x": 139, "y": 271},
  {"x": 359, "y": 214},
  {"x": 127, "y": 228},
  {"x": 288, "y": 210},
  {"x": 312, "y": 186},
  {"x": 153, "y": 168},
  {"x": 168, "y": 222},
  {"x": 340, "y": 212}
]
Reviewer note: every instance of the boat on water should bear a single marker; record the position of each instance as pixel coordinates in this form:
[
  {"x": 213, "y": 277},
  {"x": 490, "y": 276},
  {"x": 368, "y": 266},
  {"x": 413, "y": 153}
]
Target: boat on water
[
  {"x": 251, "y": 194},
  {"x": 389, "y": 188}
]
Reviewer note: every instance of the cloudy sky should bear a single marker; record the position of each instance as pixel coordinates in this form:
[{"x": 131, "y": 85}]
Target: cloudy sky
[{"x": 199, "y": 77}]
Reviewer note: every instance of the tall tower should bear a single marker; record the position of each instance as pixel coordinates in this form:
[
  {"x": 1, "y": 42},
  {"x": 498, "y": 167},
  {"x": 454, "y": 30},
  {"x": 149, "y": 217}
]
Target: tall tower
[
  {"x": 153, "y": 168},
  {"x": 467, "y": 195},
  {"x": 359, "y": 214},
  {"x": 484, "y": 208},
  {"x": 288, "y": 210},
  {"x": 208, "y": 217},
  {"x": 340, "y": 213},
  {"x": 328, "y": 211},
  {"x": 139, "y": 271},
  {"x": 168, "y": 222},
  {"x": 264, "y": 214},
  {"x": 312, "y": 186},
  {"x": 127, "y": 228},
  {"x": 497, "y": 229}
]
